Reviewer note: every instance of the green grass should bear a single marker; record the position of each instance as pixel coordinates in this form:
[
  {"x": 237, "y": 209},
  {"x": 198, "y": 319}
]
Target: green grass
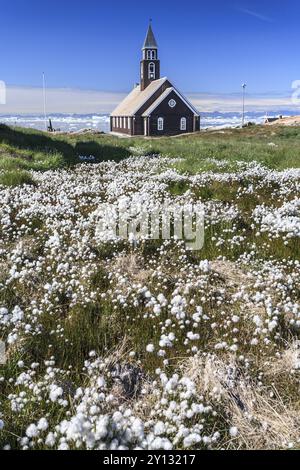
[
  {"x": 239, "y": 145},
  {"x": 218, "y": 151},
  {"x": 16, "y": 178}
]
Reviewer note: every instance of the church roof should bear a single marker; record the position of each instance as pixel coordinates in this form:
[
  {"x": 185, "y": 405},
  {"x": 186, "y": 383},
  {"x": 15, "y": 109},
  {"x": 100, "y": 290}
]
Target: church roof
[
  {"x": 137, "y": 98},
  {"x": 163, "y": 96},
  {"x": 150, "y": 41}
]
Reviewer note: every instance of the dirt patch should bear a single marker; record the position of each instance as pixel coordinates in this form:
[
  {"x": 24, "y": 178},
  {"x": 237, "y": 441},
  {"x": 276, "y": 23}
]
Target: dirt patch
[
  {"x": 230, "y": 274},
  {"x": 133, "y": 267}
]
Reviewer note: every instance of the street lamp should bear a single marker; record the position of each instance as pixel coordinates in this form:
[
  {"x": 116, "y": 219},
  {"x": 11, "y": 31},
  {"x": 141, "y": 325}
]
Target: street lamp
[{"x": 244, "y": 91}]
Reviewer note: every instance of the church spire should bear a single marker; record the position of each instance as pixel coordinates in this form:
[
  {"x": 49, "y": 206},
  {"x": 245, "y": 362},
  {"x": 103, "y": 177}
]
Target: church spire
[
  {"x": 150, "y": 41},
  {"x": 150, "y": 64}
]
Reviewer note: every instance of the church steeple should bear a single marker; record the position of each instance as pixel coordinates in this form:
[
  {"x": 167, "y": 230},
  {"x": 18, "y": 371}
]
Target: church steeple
[
  {"x": 150, "y": 41},
  {"x": 150, "y": 64}
]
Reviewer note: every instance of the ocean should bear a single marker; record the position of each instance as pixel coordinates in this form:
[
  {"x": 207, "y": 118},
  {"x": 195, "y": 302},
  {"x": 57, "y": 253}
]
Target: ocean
[{"x": 100, "y": 122}]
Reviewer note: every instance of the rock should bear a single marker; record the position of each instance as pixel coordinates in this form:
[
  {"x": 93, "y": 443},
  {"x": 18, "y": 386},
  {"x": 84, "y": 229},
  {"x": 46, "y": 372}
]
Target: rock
[{"x": 129, "y": 379}]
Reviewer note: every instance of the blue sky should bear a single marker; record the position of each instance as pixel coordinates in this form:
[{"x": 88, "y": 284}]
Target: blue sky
[{"x": 209, "y": 47}]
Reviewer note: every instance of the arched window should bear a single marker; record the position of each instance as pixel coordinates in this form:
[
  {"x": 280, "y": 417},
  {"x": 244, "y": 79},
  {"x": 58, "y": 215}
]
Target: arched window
[
  {"x": 160, "y": 124},
  {"x": 151, "y": 55},
  {"x": 151, "y": 71},
  {"x": 183, "y": 124}
]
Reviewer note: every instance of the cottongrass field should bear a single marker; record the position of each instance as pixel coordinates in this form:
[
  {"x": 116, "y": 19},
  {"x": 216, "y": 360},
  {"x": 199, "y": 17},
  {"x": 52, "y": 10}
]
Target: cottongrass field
[{"x": 115, "y": 344}]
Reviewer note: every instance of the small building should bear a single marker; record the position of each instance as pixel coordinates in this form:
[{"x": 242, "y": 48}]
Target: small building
[{"x": 154, "y": 107}]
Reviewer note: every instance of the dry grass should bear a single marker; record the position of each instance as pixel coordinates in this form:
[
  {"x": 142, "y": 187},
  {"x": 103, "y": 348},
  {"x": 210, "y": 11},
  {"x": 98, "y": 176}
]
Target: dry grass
[
  {"x": 262, "y": 418},
  {"x": 132, "y": 267},
  {"x": 231, "y": 274}
]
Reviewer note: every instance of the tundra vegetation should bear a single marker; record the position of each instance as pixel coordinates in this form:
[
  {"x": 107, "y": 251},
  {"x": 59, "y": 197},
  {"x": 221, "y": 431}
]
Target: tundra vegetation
[{"x": 143, "y": 344}]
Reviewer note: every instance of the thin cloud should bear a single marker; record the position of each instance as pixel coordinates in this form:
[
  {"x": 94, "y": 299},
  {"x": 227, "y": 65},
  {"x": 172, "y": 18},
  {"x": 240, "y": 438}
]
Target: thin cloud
[
  {"x": 29, "y": 100},
  {"x": 256, "y": 14},
  {"x": 26, "y": 100}
]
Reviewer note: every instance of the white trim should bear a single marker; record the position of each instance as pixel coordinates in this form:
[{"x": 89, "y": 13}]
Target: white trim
[
  {"x": 160, "y": 124},
  {"x": 151, "y": 55},
  {"x": 163, "y": 80},
  {"x": 147, "y": 97},
  {"x": 187, "y": 102},
  {"x": 163, "y": 96},
  {"x": 154, "y": 105},
  {"x": 183, "y": 123},
  {"x": 151, "y": 74}
]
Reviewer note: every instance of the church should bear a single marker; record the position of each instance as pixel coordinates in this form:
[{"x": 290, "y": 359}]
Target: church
[{"x": 154, "y": 107}]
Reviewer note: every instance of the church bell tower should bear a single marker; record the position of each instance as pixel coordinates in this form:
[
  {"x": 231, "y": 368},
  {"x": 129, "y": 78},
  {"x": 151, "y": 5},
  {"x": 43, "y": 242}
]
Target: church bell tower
[{"x": 150, "y": 65}]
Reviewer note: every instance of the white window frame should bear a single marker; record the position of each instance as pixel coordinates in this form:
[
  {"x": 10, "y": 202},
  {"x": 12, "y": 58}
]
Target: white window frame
[
  {"x": 151, "y": 55},
  {"x": 160, "y": 124},
  {"x": 151, "y": 66},
  {"x": 183, "y": 124},
  {"x": 129, "y": 123}
]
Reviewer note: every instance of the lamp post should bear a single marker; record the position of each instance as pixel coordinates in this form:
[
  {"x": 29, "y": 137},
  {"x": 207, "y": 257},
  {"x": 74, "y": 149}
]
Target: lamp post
[{"x": 244, "y": 91}]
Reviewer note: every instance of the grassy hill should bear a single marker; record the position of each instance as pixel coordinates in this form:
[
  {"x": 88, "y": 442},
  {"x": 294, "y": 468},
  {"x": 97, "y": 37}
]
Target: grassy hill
[{"x": 22, "y": 150}]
